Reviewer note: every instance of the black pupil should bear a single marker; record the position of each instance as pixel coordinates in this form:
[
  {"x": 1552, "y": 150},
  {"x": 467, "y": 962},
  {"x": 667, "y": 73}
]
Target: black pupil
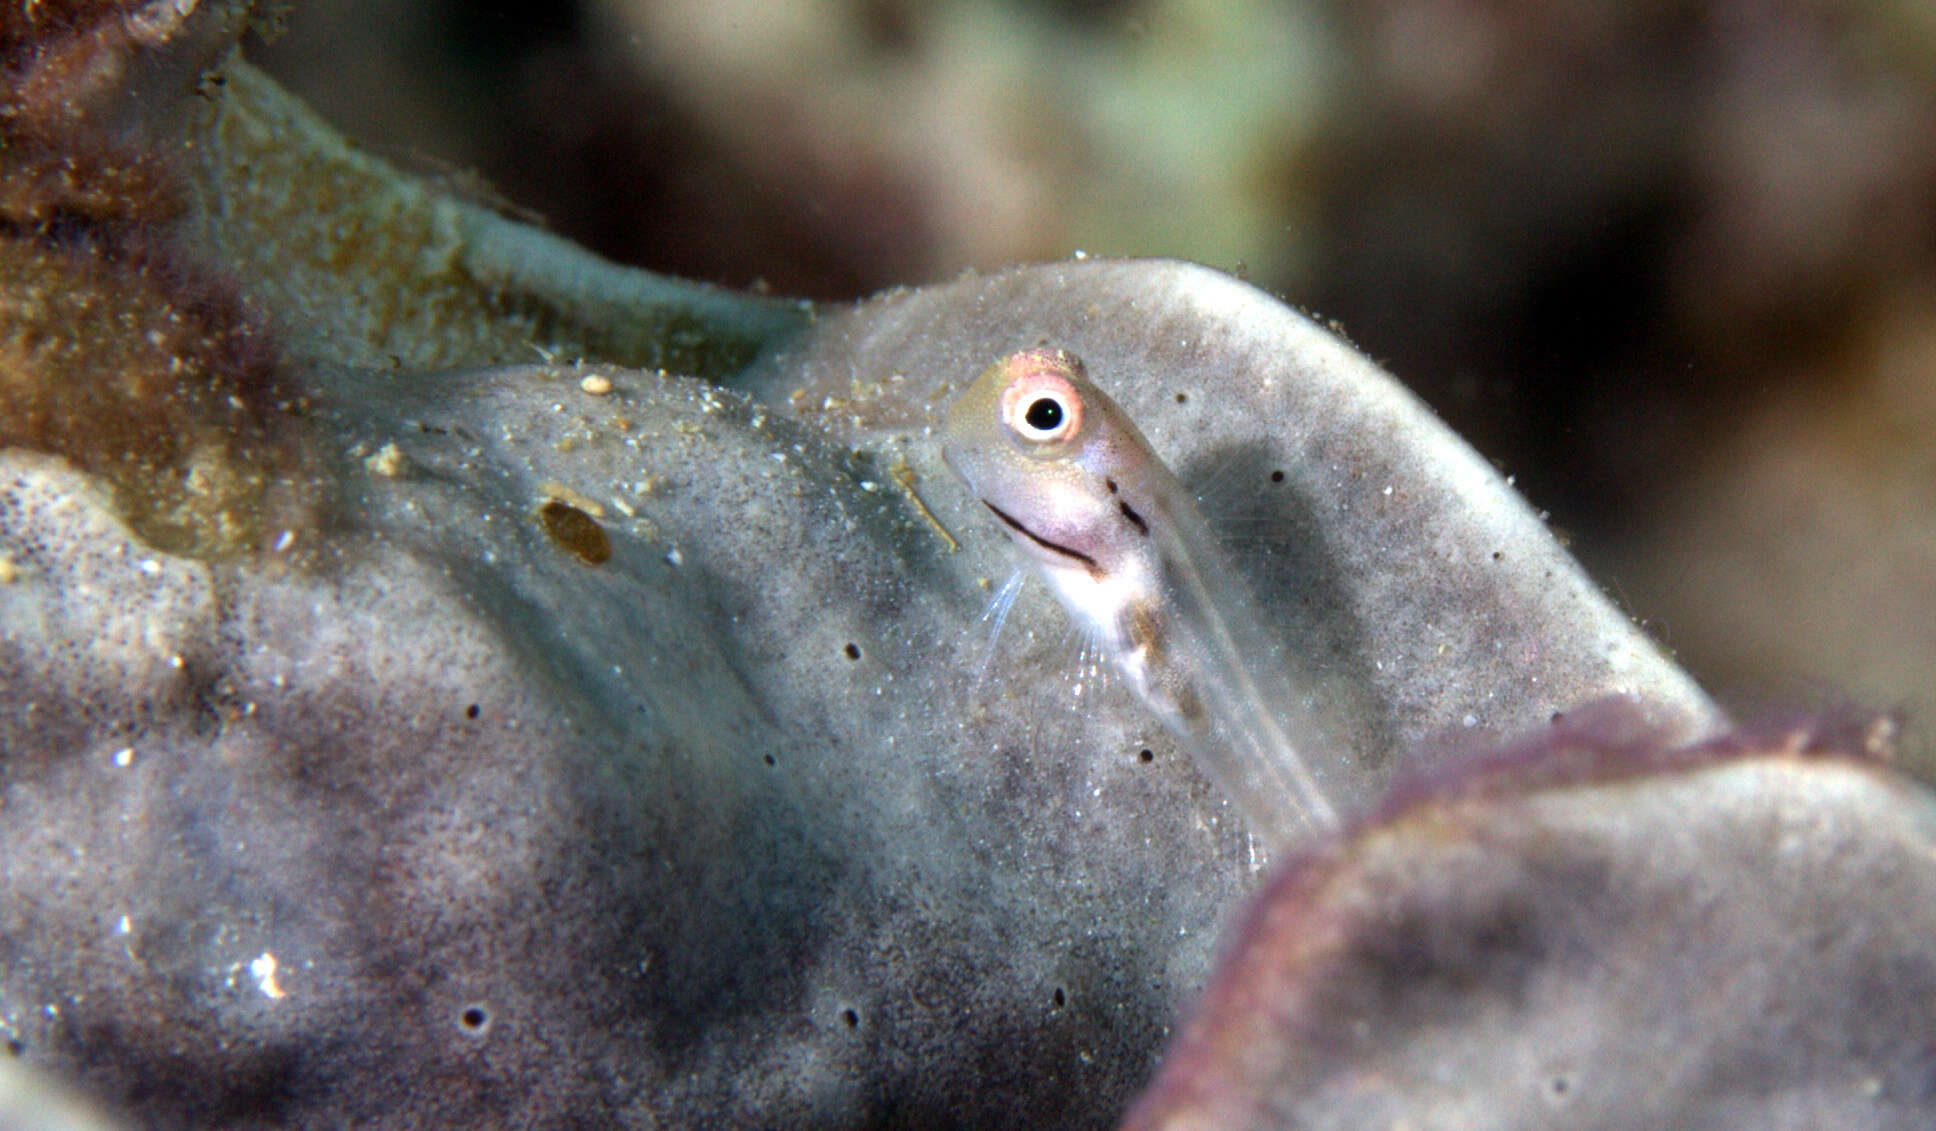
[{"x": 1044, "y": 414}]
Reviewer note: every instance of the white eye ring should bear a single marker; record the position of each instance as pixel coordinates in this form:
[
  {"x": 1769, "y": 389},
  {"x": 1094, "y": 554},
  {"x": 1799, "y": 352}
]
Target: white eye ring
[{"x": 1042, "y": 408}]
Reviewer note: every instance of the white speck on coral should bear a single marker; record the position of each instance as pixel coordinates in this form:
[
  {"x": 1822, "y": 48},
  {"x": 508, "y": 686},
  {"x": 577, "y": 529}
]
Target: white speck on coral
[
  {"x": 150, "y": 566},
  {"x": 263, "y": 970},
  {"x": 387, "y": 462},
  {"x": 1470, "y": 720},
  {"x": 285, "y": 540},
  {"x": 675, "y": 557},
  {"x": 125, "y": 926},
  {"x": 124, "y": 756}
]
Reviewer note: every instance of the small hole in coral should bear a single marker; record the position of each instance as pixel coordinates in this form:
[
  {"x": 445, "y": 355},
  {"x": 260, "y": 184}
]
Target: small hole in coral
[
  {"x": 1146, "y": 754},
  {"x": 475, "y": 1019},
  {"x": 1183, "y": 398},
  {"x": 1060, "y": 998},
  {"x": 1498, "y": 554},
  {"x": 1559, "y": 1089},
  {"x": 14, "y": 1047},
  {"x": 1557, "y": 717},
  {"x": 853, "y": 651},
  {"x": 852, "y": 1018},
  {"x": 1277, "y": 477},
  {"x": 471, "y": 711},
  {"x": 769, "y": 760}
]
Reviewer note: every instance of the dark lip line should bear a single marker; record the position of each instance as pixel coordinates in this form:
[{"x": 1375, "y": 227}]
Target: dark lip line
[{"x": 1032, "y": 536}]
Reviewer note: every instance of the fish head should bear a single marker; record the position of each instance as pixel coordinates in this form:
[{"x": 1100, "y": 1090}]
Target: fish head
[{"x": 1045, "y": 450}]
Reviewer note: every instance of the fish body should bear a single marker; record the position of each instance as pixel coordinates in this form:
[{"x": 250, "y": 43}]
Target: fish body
[{"x": 1119, "y": 539}]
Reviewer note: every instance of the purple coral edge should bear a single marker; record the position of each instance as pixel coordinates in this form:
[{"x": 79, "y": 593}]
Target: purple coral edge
[{"x": 1287, "y": 925}]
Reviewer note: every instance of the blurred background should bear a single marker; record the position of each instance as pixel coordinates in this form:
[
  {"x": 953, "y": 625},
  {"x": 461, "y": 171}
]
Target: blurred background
[{"x": 1672, "y": 265}]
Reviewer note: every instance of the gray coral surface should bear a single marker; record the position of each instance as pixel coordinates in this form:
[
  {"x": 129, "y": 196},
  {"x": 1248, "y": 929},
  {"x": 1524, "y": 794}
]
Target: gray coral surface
[
  {"x": 465, "y": 830},
  {"x": 621, "y": 742},
  {"x": 1412, "y": 590},
  {"x": 442, "y": 822}
]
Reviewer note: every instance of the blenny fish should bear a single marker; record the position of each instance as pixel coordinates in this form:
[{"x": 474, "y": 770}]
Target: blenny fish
[{"x": 1127, "y": 552}]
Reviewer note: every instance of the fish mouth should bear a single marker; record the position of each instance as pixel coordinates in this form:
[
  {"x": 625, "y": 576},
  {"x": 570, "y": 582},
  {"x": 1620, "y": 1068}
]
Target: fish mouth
[{"x": 1014, "y": 524}]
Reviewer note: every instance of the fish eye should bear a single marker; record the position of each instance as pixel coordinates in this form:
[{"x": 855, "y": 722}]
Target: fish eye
[
  {"x": 1043, "y": 414},
  {"x": 1042, "y": 408}
]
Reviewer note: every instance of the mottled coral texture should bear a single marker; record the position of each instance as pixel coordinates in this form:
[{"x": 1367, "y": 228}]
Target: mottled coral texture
[{"x": 399, "y": 728}]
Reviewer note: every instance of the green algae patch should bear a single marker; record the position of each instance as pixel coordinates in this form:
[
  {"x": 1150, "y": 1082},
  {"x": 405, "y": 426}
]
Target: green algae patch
[
  {"x": 139, "y": 373},
  {"x": 185, "y": 249},
  {"x": 366, "y": 266}
]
